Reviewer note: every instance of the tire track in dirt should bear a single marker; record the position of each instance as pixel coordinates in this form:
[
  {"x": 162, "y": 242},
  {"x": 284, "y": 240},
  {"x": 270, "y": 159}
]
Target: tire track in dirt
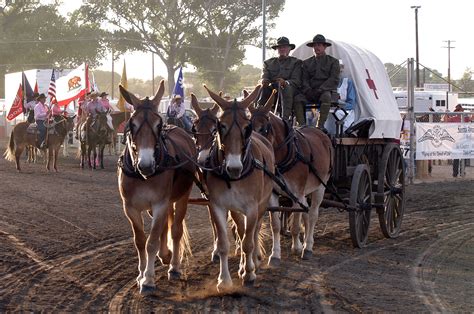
[{"x": 431, "y": 262}]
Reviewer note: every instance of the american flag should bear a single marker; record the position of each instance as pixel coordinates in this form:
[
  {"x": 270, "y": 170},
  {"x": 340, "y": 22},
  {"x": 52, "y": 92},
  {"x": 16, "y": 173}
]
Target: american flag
[{"x": 52, "y": 89}]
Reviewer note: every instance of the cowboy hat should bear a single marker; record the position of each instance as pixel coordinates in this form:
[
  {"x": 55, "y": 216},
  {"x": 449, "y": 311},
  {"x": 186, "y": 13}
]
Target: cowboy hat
[
  {"x": 283, "y": 41},
  {"x": 40, "y": 96},
  {"x": 319, "y": 39},
  {"x": 177, "y": 97},
  {"x": 103, "y": 94},
  {"x": 94, "y": 94}
]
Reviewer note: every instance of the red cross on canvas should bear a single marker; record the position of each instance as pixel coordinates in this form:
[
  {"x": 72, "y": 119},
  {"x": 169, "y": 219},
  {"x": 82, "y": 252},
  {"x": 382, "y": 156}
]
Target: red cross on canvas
[{"x": 371, "y": 84}]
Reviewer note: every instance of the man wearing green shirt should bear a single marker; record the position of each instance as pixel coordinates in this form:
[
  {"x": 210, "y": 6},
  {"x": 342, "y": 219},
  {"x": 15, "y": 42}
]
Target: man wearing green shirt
[
  {"x": 284, "y": 74},
  {"x": 320, "y": 77}
]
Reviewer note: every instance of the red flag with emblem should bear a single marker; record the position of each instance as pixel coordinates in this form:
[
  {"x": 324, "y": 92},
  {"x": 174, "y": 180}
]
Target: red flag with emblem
[{"x": 17, "y": 106}]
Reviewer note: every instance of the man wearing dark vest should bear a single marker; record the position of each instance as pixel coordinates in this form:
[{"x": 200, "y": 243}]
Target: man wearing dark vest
[
  {"x": 320, "y": 77},
  {"x": 283, "y": 73}
]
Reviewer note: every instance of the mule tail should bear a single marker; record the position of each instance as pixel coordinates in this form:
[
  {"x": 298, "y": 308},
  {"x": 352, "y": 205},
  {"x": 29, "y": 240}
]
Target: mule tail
[{"x": 10, "y": 151}]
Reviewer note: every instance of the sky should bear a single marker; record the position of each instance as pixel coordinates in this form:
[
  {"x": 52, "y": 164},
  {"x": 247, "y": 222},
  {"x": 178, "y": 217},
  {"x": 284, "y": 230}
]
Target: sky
[{"x": 384, "y": 27}]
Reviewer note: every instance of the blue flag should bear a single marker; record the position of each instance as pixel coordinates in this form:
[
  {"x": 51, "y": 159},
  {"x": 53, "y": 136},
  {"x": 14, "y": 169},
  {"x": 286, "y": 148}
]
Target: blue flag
[
  {"x": 179, "y": 86},
  {"x": 27, "y": 90}
]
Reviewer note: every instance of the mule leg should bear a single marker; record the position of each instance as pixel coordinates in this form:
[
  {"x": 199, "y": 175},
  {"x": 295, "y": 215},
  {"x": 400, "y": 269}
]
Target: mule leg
[
  {"x": 181, "y": 206},
  {"x": 164, "y": 254},
  {"x": 296, "y": 245},
  {"x": 101, "y": 157},
  {"x": 147, "y": 284},
  {"x": 275, "y": 222},
  {"x": 238, "y": 230},
  {"x": 214, "y": 254},
  {"x": 313, "y": 214},
  {"x": 219, "y": 215},
  {"x": 248, "y": 246},
  {"x": 136, "y": 220}
]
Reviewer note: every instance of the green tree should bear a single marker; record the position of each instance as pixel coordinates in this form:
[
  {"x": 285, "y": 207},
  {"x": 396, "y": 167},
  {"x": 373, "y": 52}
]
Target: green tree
[
  {"x": 218, "y": 48},
  {"x": 159, "y": 26},
  {"x": 33, "y": 35},
  {"x": 465, "y": 84}
]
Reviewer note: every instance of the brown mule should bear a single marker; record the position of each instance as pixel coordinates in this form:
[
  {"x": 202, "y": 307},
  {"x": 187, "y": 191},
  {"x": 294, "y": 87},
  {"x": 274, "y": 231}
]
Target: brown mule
[
  {"x": 236, "y": 181},
  {"x": 155, "y": 175},
  {"x": 304, "y": 158},
  {"x": 21, "y": 139}
]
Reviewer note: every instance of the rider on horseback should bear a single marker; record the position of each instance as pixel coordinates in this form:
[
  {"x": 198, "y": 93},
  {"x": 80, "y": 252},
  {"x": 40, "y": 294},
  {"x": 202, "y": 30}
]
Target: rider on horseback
[
  {"x": 177, "y": 111},
  {"x": 41, "y": 114},
  {"x": 30, "y": 108}
]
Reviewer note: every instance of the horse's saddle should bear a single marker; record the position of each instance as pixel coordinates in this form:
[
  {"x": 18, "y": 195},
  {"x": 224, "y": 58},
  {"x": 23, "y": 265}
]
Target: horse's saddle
[{"x": 33, "y": 129}]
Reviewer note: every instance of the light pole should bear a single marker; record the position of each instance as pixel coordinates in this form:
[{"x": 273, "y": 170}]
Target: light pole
[
  {"x": 264, "y": 29},
  {"x": 416, "y": 7},
  {"x": 449, "y": 60}
]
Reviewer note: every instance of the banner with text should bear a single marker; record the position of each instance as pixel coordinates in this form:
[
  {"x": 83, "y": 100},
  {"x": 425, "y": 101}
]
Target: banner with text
[{"x": 444, "y": 141}]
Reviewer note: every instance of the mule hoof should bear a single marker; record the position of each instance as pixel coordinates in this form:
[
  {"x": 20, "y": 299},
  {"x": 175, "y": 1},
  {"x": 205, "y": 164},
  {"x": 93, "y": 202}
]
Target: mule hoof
[
  {"x": 174, "y": 275},
  {"x": 215, "y": 258},
  {"x": 248, "y": 283},
  {"x": 147, "y": 290},
  {"x": 223, "y": 287},
  {"x": 274, "y": 262},
  {"x": 306, "y": 255}
]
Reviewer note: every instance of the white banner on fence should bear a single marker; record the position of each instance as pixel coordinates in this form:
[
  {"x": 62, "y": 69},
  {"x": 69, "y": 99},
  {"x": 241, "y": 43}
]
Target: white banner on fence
[{"x": 444, "y": 141}]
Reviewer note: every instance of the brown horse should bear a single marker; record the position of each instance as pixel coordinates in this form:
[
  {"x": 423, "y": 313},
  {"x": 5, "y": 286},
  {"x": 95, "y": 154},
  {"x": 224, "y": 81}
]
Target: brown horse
[
  {"x": 21, "y": 139},
  {"x": 303, "y": 159},
  {"x": 93, "y": 140},
  {"x": 117, "y": 119},
  {"x": 155, "y": 175},
  {"x": 235, "y": 175}
]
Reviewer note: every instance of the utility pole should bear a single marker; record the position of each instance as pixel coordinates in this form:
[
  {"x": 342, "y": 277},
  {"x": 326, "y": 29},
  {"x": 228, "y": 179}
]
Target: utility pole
[
  {"x": 113, "y": 87},
  {"x": 416, "y": 7},
  {"x": 264, "y": 29},
  {"x": 449, "y": 60}
]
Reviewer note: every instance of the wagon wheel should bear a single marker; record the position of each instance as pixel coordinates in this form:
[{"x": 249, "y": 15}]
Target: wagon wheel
[
  {"x": 391, "y": 191},
  {"x": 360, "y": 200}
]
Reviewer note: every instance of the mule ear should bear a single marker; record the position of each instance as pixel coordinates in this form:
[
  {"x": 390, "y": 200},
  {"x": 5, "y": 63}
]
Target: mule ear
[
  {"x": 269, "y": 104},
  {"x": 215, "y": 109},
  {"x": 246, "y": 93},
  {"x": 195, "y": 105},
  {"x": 159, "y": 93},
  {"x": 129, "y": 97},
  {"x": 250, "y": 98},
  {"x": 221, "y": 102}
]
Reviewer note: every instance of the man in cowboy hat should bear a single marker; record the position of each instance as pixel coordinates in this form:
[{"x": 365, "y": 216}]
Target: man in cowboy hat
[
  {"x": 320, "y": 77},
  {"x": 176, "y": 110},
  {"x": 284, "y": 74},
  {"x": 41, "y": 114}
]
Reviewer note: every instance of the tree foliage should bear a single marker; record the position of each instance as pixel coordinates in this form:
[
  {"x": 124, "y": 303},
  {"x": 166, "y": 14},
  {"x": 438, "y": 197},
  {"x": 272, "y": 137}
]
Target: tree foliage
[
  {"x": 159, "y": 26},
  {"x": 228, "y": 26},
  {"x": 33, "y": 35}
]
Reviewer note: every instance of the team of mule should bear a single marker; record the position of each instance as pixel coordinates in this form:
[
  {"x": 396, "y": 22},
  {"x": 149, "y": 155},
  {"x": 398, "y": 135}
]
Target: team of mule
[{"x": 240, "y": 156}]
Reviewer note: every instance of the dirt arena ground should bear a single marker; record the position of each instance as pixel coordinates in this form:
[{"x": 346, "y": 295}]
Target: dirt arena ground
[{"x": 67, "y": 247}]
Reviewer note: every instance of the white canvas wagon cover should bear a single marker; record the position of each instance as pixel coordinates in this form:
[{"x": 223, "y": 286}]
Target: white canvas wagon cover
[{"x": 375, "y": 97}]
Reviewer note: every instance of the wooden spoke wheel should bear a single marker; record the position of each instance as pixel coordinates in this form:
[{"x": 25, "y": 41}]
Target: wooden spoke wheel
[
  {"x": 391, "y": 191},
  {"x": 361, "y": 201}
]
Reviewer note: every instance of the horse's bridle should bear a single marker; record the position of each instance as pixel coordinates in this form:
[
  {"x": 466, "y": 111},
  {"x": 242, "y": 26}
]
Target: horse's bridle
[
  {"x": 267, "y": 129},
  {"x": 245, "y": 135}
]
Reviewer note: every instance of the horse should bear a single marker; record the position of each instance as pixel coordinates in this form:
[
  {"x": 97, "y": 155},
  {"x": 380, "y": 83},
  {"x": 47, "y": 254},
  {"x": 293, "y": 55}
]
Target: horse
[
  {"x": 203, "y": 129},
  {"x": 94, "y": 135},
  {"x": 155, "y": 174},
  {"x": 21, "y": 138},
  {"x": 304, "y": 160},
  {"x": 235, "y": 174}
]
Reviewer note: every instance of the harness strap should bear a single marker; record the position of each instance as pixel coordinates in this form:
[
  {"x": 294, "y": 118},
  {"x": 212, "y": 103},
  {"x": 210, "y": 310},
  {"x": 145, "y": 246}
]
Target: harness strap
[{"x": 280, "y": 182}]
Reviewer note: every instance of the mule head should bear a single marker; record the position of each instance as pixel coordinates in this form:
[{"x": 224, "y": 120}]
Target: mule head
[
  {"x": 204, "y": 128},
  {"x": 261, "y": 117},
  {"x": 234, "y": 130},
  {"x": 144, "y": 130}
]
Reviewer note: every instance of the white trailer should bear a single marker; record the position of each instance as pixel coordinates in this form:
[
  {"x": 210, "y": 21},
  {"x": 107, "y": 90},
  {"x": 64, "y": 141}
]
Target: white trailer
[{"x": 424, "y": 100}]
